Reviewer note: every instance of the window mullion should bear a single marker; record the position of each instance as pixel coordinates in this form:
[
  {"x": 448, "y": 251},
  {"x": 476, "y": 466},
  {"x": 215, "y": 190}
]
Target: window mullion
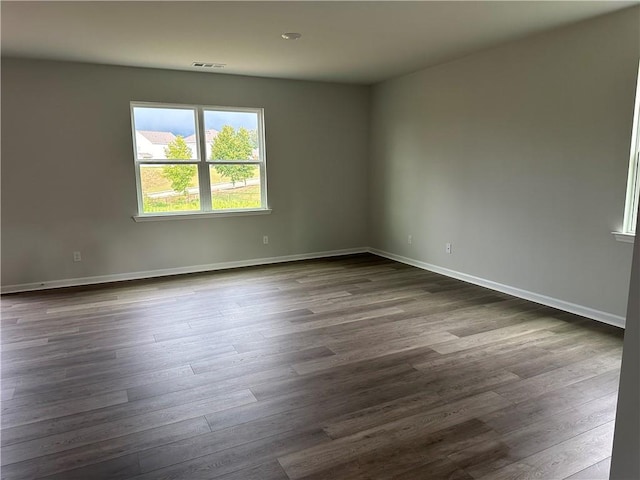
[
  {"x": 203, "y": 167},
  {"x": 234, "y": 162}
]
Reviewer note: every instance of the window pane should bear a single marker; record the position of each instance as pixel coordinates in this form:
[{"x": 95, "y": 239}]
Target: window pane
[
  {"x": 169, "y": 188},
  {"x": 165, "y": 133},
  {"x": 231, "y": 136},
  {"x": 235, "y": 186}
]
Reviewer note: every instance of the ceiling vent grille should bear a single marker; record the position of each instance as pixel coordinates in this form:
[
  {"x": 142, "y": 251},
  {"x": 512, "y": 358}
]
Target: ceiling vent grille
[{"x": 208, "y": 65}]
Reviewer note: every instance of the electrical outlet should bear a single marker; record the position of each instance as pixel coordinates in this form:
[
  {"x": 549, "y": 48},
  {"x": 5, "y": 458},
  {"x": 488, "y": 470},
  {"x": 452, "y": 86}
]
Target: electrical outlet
[
  {"x": 447, "y": 248},
  {"x": 77, "y": 257},
  {"x": 410, "y": 239},
  {"x": 265, "y": 240}
]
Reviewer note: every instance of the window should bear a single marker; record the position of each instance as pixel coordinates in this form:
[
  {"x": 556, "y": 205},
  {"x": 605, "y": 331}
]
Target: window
[
  {"x": 633, "y": 183},
  {"x": 194, "y": 159}
]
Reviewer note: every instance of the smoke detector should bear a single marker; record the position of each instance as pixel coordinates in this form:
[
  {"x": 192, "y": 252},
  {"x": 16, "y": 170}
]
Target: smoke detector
[{"x": 291, "y": 35}]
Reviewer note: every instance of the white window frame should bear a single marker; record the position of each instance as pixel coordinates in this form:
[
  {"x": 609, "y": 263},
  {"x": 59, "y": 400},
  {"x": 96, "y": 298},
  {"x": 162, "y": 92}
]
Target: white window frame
[
  {"x": 203, "y": 165},
  {"x": 633, "y": 182},
  {"x": 629, "y": 227}
]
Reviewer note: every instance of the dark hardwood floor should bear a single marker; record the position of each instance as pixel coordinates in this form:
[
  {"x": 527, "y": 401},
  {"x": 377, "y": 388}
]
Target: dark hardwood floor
[{"x": 343, "y": 368}]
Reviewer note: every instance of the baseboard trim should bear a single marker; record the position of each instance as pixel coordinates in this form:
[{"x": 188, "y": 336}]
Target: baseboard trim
[
  {"x": 598, "y": 315},
  {"x": 119, "y": 277},
  {"x": 604, "y": 317}
]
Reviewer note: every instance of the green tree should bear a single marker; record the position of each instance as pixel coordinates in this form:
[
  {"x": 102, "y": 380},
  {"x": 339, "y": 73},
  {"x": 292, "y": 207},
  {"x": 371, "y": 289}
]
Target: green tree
[
  {"x": 253, "y": 134},
  {"x": 178, "y": 150},
  {"x": 180, "y": 176},
  {"x": 231, "y": 145}
]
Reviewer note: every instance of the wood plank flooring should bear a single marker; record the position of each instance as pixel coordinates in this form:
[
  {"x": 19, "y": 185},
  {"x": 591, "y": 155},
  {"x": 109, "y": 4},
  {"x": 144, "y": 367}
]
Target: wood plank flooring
[{"x": 354, "y": 367}]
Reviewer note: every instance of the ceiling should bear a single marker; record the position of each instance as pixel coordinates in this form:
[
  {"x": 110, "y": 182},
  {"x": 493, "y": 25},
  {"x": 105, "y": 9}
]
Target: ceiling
[{"x": 355, "y": 42}]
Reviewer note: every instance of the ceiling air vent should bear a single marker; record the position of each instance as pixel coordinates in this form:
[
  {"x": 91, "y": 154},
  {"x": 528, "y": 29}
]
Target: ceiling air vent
[{"x": 208, "y": 65}]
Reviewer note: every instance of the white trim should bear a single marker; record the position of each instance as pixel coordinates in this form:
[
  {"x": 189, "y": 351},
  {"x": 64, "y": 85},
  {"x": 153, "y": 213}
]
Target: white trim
[
  {"x": 119, "y": 277},
  {"x": 624, "y": 237},
  {"x": 197, "y": 214},
  {"x": 262, "y": 146},
  {"x": 203, "y": 164},
  {"x": 581, "y": 310},
  {"x": 633, "y": 178}
]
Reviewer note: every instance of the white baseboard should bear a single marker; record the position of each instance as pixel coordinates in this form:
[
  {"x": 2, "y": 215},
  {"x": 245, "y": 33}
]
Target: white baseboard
[
  {"x": 598, "y": 315},
  {"x": 581, "y": 310},
  {"x": 119, "y": 277}
]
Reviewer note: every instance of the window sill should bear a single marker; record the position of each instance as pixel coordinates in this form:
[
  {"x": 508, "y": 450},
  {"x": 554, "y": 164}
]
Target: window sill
[
  {"x": 198, "y": 215},
  {"x": 624, "y": 237}
]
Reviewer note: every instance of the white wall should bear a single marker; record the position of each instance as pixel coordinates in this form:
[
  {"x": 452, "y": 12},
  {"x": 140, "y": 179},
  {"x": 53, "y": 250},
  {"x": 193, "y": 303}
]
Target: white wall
[
  {"x": 68, "y": 174},
  {"x": 518, "y": 156}
]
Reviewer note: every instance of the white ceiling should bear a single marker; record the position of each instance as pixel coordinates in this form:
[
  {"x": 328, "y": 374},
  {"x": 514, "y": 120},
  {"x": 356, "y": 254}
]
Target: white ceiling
[{"x": 358, "y": 42}]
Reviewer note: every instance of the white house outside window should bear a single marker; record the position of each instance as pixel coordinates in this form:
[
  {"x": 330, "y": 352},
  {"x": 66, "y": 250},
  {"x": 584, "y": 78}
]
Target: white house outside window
[{"x": 198, "y": 159}]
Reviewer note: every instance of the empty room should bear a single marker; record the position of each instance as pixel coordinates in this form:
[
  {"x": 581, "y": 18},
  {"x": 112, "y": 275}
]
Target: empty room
[{"x": 320, "y": 240}]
